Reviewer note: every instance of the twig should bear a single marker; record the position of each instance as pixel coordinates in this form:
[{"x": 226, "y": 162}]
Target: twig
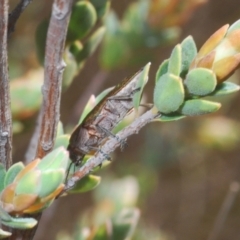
[
  {"x": 111, "y": 145},
  {"x": 51, "y": 90},
  {"x": 15, "y": 14},
  {"x": 5, "y": 110},
  {"x": 54, "y": 67},
  {"x": 226, "y": 206}
]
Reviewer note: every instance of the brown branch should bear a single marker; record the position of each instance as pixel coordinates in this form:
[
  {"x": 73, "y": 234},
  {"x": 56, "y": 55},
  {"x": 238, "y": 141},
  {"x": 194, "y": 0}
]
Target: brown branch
[
  {"x": 15, "y": 14},
  {"x": 53, "y": 67},
  {"x": 5, "y": 110},
  {"x": 111, "y": 145},
  {"x": 51, "y": 90}
]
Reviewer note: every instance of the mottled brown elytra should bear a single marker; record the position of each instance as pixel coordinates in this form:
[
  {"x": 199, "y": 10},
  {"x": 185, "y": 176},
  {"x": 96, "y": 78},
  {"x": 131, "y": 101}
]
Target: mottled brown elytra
[{"x": 98, "y": 124}]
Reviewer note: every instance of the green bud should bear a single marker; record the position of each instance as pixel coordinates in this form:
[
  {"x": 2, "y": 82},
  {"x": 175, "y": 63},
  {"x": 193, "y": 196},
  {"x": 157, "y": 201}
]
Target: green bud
[
  {"x": 200, "y": 81},
  {"x": 189, "y": 52},
  {"x": 50, "y": 181},
  {"x": 198, "y": 107},
  {"x": 29, "y": 183},
  {"x": 168, "y": 93},
  {"x": 82, "y": 20},
  {"x": 12, "y": 173},
  {"x": 163, "y": 68},
  {"x": 56, "y": 159},
  {"x": 175, "y": 61},
  {"x": 90, "y": 45}
]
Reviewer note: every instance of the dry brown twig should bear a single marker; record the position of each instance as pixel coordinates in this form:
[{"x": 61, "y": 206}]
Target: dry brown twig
[
  {"x": 5, "y": 110},
  {"x": 51, "y": 89},
  {"x": 15, "y": 14}
]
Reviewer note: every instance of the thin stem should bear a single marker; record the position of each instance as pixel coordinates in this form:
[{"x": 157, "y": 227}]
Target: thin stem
[
  {"x": 5, "y": 110},
  {"x": 54, "y": 67},
  {"x": 111, "y": 145},
  {"x": 15, "y": 14},
  {"x": 51, "y": 90}
]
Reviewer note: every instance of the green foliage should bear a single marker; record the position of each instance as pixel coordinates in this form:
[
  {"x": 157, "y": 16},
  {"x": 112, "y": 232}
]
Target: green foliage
[
  {"x": 101, "y": 7},
  {"x": 163, "y": 68},
  {"x": 188, "y": 76},
  {"x": 143, "y": 78},
  {"x": 12, "y": 173},
  {"x": 200, "y": 81},
  {"x": 198, "y": 107},
  {"x": 189, "y": 52},
  {"x": 14, "y": 222},
  {"x": 83, "y": 18},
  {"x": 168, "y": 93},
  {"x": 90, "y": 45},
  {"x": 32, "y": 188},
  {"x": 225, "y": 88},
  {"x": 86, "y": 184},
  {"x": 175, "y": 61},
  {"x": 132, "y": 36},
  {"x": 2, "y": 176}
]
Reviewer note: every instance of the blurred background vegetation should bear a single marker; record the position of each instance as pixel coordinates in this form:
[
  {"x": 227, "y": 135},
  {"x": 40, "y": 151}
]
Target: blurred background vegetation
[{"x": 178, "y": 173}]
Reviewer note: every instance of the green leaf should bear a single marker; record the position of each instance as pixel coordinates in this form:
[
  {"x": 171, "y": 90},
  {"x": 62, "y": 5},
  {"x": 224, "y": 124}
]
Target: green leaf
[
  {"x": 163, "y": 68},
  {"x": 143, "y": 78},
  {"x": 50, "y": 180},
  {"x": 62, "y": 141},
  {"x": 124, "y": 224},
  {"x": 102, "y": 233},
  {"x": 189, "y": 52},
  {"x": 56, "y": 159},
  {"x": 168, "y": 93},
  {"x": 175, "y": 61},
  {"x": 86, "y": 184},
  {"x": 233, "y": 27},
  {"x": 225, "y": 88},
  {"x": 169, "y": 118},
  {"x": 71, "y": 69},
  {"x": 101, "y": 6},
  {"x": 196, "y": 107},
  {"x": 4, "y": 234},
  {"x": 88, "y": 108},
  {"x": 90, "y": 45},
  {"x": 20, "y": 223},
  {"x": 12, "y": 173},
  {"x": 4, "y": 215},
  {"x": 2, "y": 176},
  {"x": 29, "y": 183},
  {"x": 26, "y": 96},
  {"x": 114, "y": 52},
  {"x": 60, "y": 130},
  {"x": 82, "y": 20},
  {"x": 200, "y": 81},
  {"x": 92, "y": 102}
]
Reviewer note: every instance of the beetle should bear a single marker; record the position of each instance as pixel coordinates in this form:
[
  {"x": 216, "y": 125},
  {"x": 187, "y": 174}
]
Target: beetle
[{"x": 100, "y": 121}]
